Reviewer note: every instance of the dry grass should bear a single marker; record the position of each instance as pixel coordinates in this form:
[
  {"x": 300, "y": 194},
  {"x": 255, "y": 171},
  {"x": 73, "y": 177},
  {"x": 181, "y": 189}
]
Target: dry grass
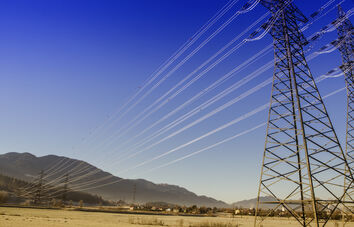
[
  {"x": 146, "y": 221},
  {"x": 19, "y": 217},
  {"x": 214, "y": 224}
]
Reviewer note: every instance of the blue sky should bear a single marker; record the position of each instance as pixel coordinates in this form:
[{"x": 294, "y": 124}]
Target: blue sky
[{"x": 67, "y": 66}]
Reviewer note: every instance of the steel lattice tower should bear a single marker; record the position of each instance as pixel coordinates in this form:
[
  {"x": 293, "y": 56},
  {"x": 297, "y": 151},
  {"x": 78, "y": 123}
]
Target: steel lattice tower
[
  {"x": 38, "y": 192},
  {"x": 346, "y": 44},
  {"x": 65, "y": 189},
  {"x": 303, "y": 166}
]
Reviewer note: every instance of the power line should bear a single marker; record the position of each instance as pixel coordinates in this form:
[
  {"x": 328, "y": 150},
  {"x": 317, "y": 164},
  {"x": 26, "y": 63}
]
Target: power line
[
  {"x": 208, "y": 39},
  {"x": 312, "y": 56},
  {"x": 162, "y": 68},
  {"x": 238, "y": 119},
  {"x": 181, "y": 63},
  {"x": 145, "y": 171}
]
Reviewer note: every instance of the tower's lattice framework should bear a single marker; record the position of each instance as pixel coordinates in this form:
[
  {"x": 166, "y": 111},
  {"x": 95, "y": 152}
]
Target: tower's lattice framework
[
  {"x": 346, "y": 47},
  {"x": 39, "y": 189},
  {"x": 303, "y": 166},
  {"x": 65, "y": 188}
]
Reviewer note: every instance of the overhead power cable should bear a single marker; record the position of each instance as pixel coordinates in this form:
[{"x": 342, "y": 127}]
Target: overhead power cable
[
  {"x": 243, "y": 117},
  {"x": 209, "y": 147},
  {"x": 204, "y": 43},
  {"x": 164, "y": 66},
  {"x": 181, "y": 63}
]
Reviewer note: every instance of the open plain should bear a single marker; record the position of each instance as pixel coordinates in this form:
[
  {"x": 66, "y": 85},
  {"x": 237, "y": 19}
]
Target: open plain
[{"x": 19, "y": 217}]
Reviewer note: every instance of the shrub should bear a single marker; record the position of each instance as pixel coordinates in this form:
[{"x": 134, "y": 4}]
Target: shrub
[
  {"x": 27, "y": 202},
  {"x": 4, "y": 196}
]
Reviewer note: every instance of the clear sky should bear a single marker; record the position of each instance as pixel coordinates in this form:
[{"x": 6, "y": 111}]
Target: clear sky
[{"x": 66, "y": 66}]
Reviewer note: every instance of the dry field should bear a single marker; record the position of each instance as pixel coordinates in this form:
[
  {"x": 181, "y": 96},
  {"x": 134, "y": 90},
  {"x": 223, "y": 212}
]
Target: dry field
[{"x": 19, "y": 217}]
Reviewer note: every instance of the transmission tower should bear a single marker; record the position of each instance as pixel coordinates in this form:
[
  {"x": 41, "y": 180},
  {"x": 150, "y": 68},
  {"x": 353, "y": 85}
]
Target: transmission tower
[
  {"x": 65, "y": 189},
  {"x": 134, "y": 193},
  {"x": 38, "y": 191},
  {"x": 303, "y": 166},
  {"x": 346, "y": 44}
]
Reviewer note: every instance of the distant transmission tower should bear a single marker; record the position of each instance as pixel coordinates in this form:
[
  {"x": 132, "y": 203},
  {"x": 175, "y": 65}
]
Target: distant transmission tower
[
  {"x": 346, "y": 47},
  {"x": 303, "y": 166},
  {"x": 38, "y": 191},
  {"x": 134, "y": 193},
  {"x": 65, "y": 189}
]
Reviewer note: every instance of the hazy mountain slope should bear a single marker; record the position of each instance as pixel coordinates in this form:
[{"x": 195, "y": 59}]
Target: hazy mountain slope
[
  {"x": 27, "y": 167},
  {"x": 12, "y": 186},
  {"x": 251, "y": 203}
]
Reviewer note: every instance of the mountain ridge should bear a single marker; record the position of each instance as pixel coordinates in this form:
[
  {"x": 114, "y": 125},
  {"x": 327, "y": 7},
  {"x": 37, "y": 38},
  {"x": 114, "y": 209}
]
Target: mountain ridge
[{"x": 26, "y": 166}]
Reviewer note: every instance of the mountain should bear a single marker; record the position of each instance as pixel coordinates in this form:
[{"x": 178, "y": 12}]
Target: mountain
[
  {"x": 12, "y": 186},
  {"x": 85, "y": 177},
  {"x": 251, "y": 203}
]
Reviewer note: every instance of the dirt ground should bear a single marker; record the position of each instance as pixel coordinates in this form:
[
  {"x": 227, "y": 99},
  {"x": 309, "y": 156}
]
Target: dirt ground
[{"x": 25, "y": 217}]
